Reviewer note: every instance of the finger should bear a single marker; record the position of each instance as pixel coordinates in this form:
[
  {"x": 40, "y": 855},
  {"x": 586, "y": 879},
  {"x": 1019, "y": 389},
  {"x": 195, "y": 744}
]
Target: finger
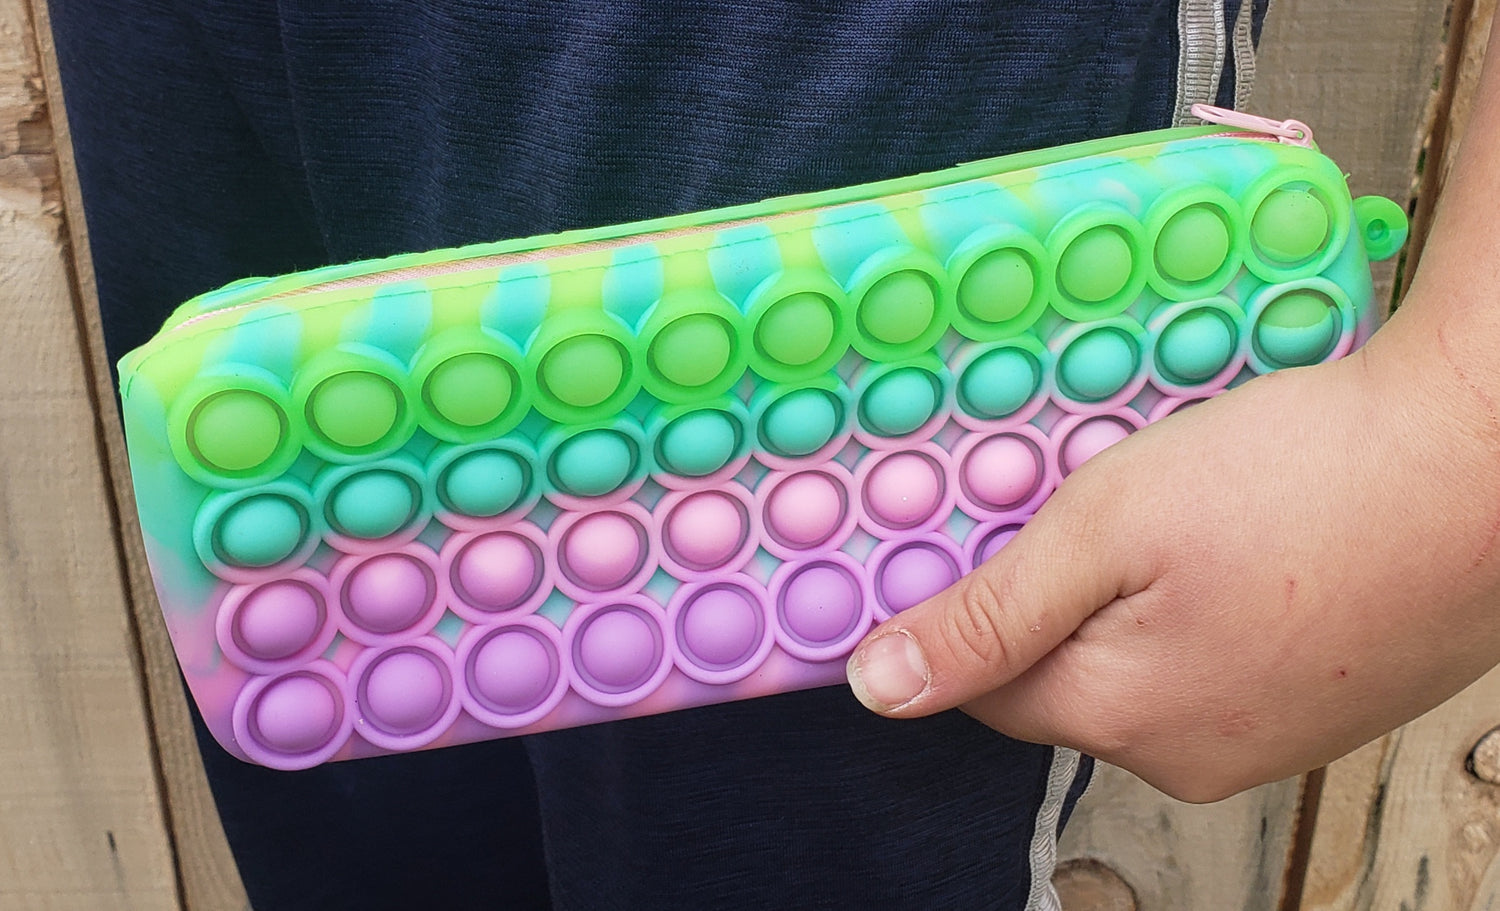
[{"x": 999, "y": 620}]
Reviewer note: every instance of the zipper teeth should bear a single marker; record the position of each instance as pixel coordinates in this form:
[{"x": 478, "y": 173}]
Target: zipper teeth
[{"x": 541, "y": 253}]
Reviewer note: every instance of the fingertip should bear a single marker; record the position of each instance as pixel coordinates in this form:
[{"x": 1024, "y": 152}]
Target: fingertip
[{"x": 888, "y": 672}]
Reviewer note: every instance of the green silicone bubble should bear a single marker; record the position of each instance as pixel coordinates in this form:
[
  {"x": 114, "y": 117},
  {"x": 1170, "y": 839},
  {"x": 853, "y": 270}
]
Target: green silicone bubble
[
  {"x": 797, "y": 329},
  {"x": 698, "y": 444},
  {"x": 1193, "y": 244},
  {"x": 354, "y": 409},
  {"x": 1196, "y": 346},
  {"x": 1290, "y": 225},
  {"x": 593, "y": 463},
  {"x": 692, "y": 350},
  {"x": 999, "y": 382},
  {"x": 1096, "y": 265},
  {"x": 484, "y": 483},
  {"x": 898, "y": 308},
  {"x": 372, "y": 504},
  {"x": 259, "y": 531},
  {"x": 899, "y": 402},
  {"x": 471, "y": 389},
  {"x": 1097, "y": 364},
  {"x": 584, "y": 370},
  {"x": 236, "y": 430},
  {"x": 1382, "y": 225},
  {"x": 800, "y": 422},
  {"x": 1296, "y": 329},
  {"x": 997, "y": 287}
]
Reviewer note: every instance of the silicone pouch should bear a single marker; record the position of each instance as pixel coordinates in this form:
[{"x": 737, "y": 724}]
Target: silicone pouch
[{"x": 467, "y": 494}]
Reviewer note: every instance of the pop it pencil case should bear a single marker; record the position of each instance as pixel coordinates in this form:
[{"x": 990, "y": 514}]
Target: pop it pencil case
[{"x": 508, "y": 488}]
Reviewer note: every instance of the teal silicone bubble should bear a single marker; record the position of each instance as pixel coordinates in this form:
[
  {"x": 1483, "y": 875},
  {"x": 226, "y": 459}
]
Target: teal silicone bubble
[
  {"x": 239, "y": 533},
  {"x": 471, "y": 386},
  {"x": 1000, "y": 380},
  {"x": 595, "y": 462},
  {"x": 233, "y": 430},
  {"x": 1003, "y": 282},
  {"x": 895, "y": 400},
  {"x": 1099, "y": 364},
  {"x": 693, "y": 347},
  {"x": 903, "y": 303},
  {"x": 799, "y": 325},
  {"x": 1297, "y": 326},
  {"x": 1293, "y": 230},
  {"x": 699, "y": 443},
  {"x": 373, "y": 500},
  {"x": 1192, "y": 234},
  {"x": 1382, "y": 224},
  {"x": 1098, "y": 256},
  {"x": 481, "y": 481},
  {"x": 354, "y": 403},
  {"x": 583, "y": 361},
  {"x": 797, "y": 422},
  {"x": 1198, "y": 343}
]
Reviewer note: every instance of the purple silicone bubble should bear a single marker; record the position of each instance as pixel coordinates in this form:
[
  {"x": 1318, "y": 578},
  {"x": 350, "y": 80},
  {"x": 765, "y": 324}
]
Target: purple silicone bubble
[
  {"x": 986, "y": 541},
  {"x": 901, "y": 491},
  {"x": 265, "y": 628},
  {"x": 805, "y": 510},
  {"x": 1082, "y": 440},
  {"x": 607, "y": 551},
  {"x": 513, "y": 674},
  {"x": 390, "y": 596},
  {"x": 618, "y": 649},
  {"x": 706, "y": 531},
  {"x": 822, "y": 609},
  {"x": 909, "y": 572},
  {"x": 405, "y": 695},
  {"x": 295, "y": 721},
  {"x": 721, "y": 631}
]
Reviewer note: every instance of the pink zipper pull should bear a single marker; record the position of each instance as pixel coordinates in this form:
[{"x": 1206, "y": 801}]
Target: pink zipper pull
[{"x": 1287, "y": 132}]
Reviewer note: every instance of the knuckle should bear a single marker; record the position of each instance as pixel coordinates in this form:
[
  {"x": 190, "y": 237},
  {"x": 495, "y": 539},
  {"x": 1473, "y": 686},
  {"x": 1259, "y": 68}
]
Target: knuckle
[{"x": 975, "y": 632}]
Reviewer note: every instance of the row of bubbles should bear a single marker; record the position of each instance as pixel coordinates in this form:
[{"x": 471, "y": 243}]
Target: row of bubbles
[
  {"x": 584, "y": 366},
  {"x": 510, "y": 669},
  {"x": 1191, "y": 348},
  {"x": 248, "y": 536}
]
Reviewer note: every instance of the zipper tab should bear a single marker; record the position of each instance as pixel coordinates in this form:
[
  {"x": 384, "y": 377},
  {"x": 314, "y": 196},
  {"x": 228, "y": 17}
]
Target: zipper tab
[{"x": 1287, "y": 132}]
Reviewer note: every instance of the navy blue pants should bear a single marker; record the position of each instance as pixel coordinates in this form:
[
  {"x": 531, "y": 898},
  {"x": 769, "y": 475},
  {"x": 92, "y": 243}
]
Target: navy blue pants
[{"x": 222, "y": 138}]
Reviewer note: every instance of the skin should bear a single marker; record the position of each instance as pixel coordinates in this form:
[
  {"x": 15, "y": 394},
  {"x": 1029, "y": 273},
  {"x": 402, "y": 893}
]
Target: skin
[{"x": 1255, "y": 586}]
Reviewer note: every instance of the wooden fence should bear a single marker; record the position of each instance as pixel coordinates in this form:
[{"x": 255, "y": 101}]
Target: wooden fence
[{"x": 102, "y": 799}]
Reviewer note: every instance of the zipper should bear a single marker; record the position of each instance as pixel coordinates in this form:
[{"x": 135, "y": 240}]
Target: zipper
[{"x": 354, "y": 275}]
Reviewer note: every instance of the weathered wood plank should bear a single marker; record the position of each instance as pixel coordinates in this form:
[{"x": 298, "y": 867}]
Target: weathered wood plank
[
  {"x": 208, "y": 876},
  {"x": 81, "y": 820},
  {"x": 1361, "y": 75}
]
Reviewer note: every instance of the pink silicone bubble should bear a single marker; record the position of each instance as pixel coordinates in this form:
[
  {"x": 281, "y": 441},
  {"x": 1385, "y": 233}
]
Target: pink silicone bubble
[
  {"x": 1002, "y": 471},
  {"x": 498, "y": 571},
  {"x": 619, "y": 652},
  {"x": 296, "y": 721},
  {"x": 903, "y": 490},
  {"x": 388, "y": 593},
  {"x": 820, "y": 606},
  {"x": 603, "y": 551},
  {"x": 706, "y": 530},
  {"x": 1090, "y": 438},
  {"x": 513, "y": 673},
  {"x": 277, "y": 623},
  {"x": 805, "y": 510},
  {"x": 912, "y": 572}
]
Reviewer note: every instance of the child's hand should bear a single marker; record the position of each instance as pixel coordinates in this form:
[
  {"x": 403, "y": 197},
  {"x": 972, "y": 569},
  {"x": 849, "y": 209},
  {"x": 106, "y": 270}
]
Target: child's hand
[{"x": 1244, "y": 591}]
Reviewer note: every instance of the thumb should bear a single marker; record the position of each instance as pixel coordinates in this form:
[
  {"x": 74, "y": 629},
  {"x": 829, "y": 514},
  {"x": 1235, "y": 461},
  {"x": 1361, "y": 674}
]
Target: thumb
[{"x": 993, "y": 624}]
